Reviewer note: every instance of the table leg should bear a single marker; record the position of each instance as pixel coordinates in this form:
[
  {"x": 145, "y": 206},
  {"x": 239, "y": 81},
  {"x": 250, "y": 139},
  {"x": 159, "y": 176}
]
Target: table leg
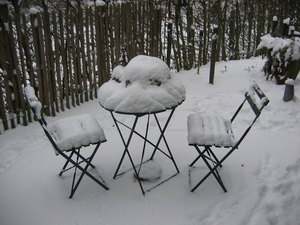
[
  {"x": 137, "y": 168},
  {"x": 126, "y": 151},
  {"x": 144, "y": 145},
  {"x": 126, "y": 144},
  {"x": 162, "y": 136}
]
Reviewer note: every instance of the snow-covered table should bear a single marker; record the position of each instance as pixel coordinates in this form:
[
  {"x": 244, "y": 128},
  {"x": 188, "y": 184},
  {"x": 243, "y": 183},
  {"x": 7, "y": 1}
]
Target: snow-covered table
[{"x": 144, "y": 88}]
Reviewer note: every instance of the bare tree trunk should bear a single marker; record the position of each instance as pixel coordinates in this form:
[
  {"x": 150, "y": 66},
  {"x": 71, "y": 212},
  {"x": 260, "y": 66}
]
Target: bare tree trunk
[{"x": 250, "y": 19}]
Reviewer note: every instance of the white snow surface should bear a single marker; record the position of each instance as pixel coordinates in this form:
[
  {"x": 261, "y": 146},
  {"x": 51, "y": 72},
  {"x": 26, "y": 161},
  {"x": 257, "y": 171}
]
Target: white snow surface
[
  {"x": 262, "y": 176},
  {"x": 99, "y": 3},
  {"x": 33, "y": 10},
  {"x": 76, "y": 131},
  {"x": 145, "y": 85},
  {"x": 209, "y": 130},
  {"x": 290, "y": 82},
  {"x": 287, "y": 21}
]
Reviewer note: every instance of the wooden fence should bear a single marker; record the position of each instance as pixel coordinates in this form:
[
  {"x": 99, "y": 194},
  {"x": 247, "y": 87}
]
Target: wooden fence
[{"x": 67, "y": 55}]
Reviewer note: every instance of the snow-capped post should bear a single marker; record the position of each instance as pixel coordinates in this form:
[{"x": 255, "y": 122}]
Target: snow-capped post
[
  {"x": 274, "y": 26},
  {"x": 289, "y": 90},
  {"x": 291, "y": 31},
  {"x": 285, "y": 27},
  {"x": 213, "y": 55},
  {"x": 124, "y": 58}
]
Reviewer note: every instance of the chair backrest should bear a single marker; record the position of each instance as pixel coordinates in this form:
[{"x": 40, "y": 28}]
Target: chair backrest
[
  {"x": 257, "y": 106},
  {"x": 36, "y": 108},
  {"x": 257, "y": 101},
  {"x": 35, "y": 104},
  {"x": 250, "y": 96}
]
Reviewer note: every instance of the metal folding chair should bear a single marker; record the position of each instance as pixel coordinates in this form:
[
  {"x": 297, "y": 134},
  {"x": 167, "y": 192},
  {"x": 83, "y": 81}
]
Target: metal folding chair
[
  {"x": 211, "y": 131},
  {"x": 68, "y": 136}
]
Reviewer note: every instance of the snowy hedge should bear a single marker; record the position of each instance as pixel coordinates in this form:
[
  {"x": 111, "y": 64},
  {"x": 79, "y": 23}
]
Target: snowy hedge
[{"x": 283, "y": 57}]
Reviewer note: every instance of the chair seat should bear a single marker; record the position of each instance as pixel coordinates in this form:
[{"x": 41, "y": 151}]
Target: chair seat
[
  {"x": 209, "y": 130},
  {"x": 76, "y": 131}
]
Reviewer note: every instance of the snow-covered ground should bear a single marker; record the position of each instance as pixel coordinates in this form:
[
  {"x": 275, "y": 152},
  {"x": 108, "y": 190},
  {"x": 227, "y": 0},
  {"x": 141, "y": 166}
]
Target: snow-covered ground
[{"x": 262, "y": 176}]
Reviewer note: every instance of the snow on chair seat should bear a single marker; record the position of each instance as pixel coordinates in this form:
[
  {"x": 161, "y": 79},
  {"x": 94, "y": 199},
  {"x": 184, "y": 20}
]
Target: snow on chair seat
[
  {"x": 211, "y": 130},
  {"x": 76, "y": 131}
]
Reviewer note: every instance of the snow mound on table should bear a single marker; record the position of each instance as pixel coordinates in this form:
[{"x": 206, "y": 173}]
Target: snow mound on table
[{"x": 145, "y": 85}]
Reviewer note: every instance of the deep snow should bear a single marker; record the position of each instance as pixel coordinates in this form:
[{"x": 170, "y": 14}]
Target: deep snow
[{"x": 262, "y": 177}]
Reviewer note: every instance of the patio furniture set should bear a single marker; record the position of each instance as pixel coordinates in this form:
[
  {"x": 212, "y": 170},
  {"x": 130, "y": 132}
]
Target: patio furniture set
[{"x": 143, "y": 90}]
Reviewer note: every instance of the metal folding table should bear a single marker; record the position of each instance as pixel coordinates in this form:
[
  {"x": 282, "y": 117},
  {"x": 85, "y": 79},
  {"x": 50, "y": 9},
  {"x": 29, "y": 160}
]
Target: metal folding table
[{"x": 136, "y": 167}]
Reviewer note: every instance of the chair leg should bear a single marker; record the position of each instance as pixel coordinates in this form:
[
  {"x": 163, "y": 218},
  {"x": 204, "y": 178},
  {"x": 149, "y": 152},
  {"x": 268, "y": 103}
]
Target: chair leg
[
  {"x": 74, "y": 176},
  {"x": 83, "y": 159},
  {"x": 84, "y": 171},
  {"x": 209, "y": 152},
  {"x": 213, "y": 154},
  {"x": 66, "y": 164},
  {"x": 76, "y": 152},
  {"x": 76, "y": 165},
  {"x": 213, "y": 170},
  {"x": 198, "y": 157}
]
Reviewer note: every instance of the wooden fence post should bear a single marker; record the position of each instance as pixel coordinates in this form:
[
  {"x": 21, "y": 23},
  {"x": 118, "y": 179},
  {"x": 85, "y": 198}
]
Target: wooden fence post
[
  {"x": 274, "y": 26},
  {"x": 10, "y": 84},
  {"x": 65, "y": 79},
  {"x": 88, "y": 62},
  {"x": 59, "y": 94},
  {"x": 20, "y": 107},
  {"x": 200, "y": 52},
  {"x": 285, "y": 27},
  {"x": 213, "y": 55},
  {"x": 73, "y": 69},
  {"x": 2, "y": 111},
  {"x": 169, "y": 43},
  {"x": 28, "y": 65},
  {"x": 2, "y": 104},
  {"x": 52, "y": 90}
]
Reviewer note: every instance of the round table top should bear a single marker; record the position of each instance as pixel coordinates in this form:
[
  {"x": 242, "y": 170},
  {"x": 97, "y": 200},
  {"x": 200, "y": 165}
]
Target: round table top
[{"x": 141, "y": 113}]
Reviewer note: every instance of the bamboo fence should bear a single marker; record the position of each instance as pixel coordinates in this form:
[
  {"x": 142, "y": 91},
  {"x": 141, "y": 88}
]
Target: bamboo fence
[{"x": 66, "y": 56}]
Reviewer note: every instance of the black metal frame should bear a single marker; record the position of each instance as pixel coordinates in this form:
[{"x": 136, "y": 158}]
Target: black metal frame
[
  {"x": 75, "y": 163},
  {"x": 207, "y": 154},
  {"x": 126, "y": 143}
]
